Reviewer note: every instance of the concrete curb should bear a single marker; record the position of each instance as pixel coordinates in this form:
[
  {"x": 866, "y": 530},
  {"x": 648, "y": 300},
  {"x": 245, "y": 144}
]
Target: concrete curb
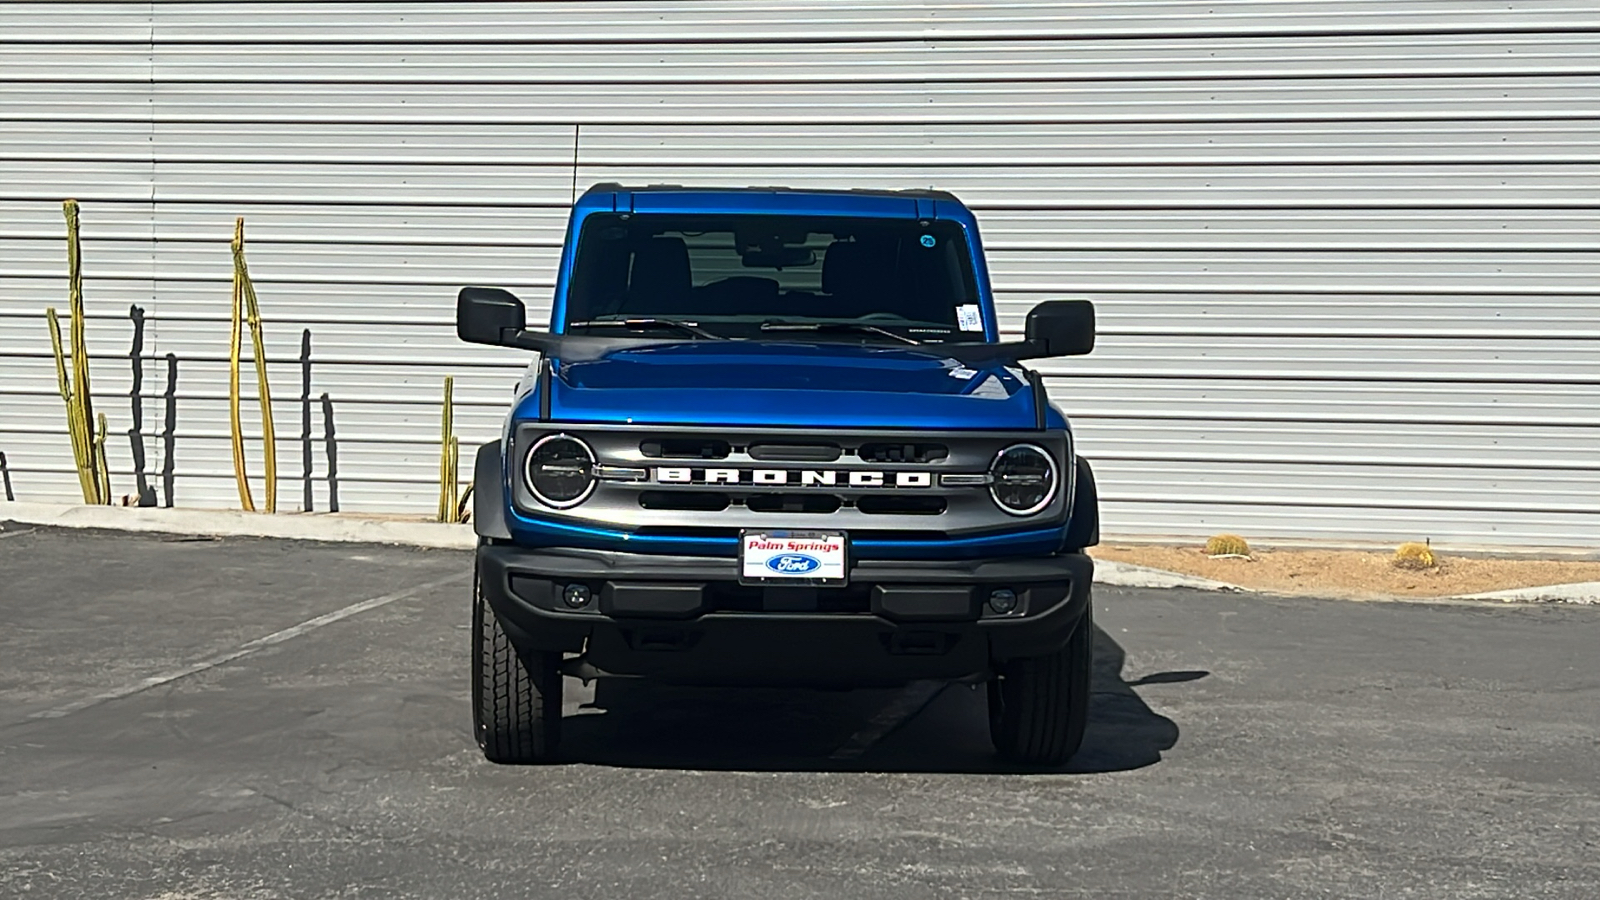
[
  {"x": 234, "y": 523},
  {"x": 1119, "y": 574},
  {"x": 1584, "y": 592},
  {"x": 358, "y": 529}
]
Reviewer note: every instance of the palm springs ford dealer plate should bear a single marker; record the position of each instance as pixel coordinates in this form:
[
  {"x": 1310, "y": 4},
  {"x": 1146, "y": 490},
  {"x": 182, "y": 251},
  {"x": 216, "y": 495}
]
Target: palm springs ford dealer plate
[{"x": 792, "y": 557}]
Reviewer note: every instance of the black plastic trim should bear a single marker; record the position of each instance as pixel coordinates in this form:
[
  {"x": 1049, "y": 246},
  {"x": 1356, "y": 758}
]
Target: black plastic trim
[
  {"x": 1041, "y": 400},
  {"x": 544, "y": 389},
  {"x": 662, "y": 634},
  {"x": 488, "y": 494},
  {"x": 1083, "y": 524}
]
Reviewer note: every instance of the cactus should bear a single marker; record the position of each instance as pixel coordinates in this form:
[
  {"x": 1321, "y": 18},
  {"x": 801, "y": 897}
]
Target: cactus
[
  {"x": 449, "y": 458},
  {"x": 1227, "y": 545},
  {"x": 246, "y": 311},
  {"x": 1414, "y": 555},
  {"x": 82, "y": 454},
  {"x": 87, "y": 455},
  {"x": 103, "y": 484}
]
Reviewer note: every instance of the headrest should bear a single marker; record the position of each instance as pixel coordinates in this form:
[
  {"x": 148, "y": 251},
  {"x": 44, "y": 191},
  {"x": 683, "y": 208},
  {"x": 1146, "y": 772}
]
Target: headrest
[
  {"x": 661, "y": 266},
  {"x": 842, "y": 266}
]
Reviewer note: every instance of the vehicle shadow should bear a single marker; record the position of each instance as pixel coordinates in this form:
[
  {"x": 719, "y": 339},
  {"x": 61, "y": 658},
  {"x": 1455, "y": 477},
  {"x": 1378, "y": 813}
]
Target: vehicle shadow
[{"x": 924, "y": 728}]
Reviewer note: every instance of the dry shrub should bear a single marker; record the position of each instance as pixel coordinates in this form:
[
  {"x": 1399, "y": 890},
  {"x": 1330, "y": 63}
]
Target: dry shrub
[
  {"x": 1227, "y": 545},
  {"x": 1413, "y": 555}
]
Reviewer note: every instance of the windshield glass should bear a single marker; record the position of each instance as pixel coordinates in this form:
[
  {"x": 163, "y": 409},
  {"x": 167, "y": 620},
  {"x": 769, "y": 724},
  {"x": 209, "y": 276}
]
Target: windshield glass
[{"x": 776, "y": 276}]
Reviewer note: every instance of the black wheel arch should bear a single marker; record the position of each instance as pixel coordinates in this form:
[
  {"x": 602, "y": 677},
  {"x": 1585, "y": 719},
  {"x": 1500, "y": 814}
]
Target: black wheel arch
[
  {"x": 1083, "y": 529},
  {"x": 489, "y": 494}
]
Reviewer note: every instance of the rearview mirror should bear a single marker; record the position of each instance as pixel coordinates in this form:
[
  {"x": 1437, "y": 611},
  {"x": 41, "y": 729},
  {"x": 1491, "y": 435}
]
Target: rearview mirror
[
  {"x": 1062, "y": 327},
  {"x": 486, "y": 315}
]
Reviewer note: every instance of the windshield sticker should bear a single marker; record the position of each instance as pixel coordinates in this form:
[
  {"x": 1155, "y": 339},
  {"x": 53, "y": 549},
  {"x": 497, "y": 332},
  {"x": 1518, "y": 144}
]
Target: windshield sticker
[
  {"x": 962, "y": 372},
  {"x": 927, "y": 240},
  {"x": 968, "y": 317}
]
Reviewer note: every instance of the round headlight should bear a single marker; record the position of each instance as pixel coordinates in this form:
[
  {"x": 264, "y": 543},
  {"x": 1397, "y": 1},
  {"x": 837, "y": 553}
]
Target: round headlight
[
  {"x": 1024, "y": 479},
  {"x": 560, "y": 470}
]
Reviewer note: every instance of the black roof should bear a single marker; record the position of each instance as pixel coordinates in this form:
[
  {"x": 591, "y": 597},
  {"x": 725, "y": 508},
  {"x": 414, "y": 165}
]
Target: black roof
[{"x": 909, "y": 193}]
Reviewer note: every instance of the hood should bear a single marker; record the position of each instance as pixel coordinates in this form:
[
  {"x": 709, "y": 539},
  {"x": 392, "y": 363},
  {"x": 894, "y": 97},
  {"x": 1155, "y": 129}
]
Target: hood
[{"x": 818, "y": 385}]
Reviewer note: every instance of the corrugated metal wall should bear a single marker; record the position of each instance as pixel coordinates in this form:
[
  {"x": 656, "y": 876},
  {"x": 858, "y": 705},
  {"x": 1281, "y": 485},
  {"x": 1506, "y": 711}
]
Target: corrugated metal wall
[{"x": 1346, "y": 254}]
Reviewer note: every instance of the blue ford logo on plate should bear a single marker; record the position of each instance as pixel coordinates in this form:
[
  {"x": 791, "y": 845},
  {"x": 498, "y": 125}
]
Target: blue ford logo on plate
[{"x": 793, "y": 564}]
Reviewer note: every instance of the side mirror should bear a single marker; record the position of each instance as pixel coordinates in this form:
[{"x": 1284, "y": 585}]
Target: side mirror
[
  {"x": 487, "y": 315},
  {"x": 1062, "y": 327}
]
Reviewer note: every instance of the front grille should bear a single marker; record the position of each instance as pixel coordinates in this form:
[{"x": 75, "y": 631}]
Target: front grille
[{"x": 697, "y": 482}]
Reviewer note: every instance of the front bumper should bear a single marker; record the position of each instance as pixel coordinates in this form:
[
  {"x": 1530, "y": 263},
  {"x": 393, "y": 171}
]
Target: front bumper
[{"x": 686, "y": 618}]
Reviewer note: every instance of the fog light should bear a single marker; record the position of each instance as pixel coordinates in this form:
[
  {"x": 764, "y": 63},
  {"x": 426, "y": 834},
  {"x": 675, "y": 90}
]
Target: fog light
[
  {"x": 576, "y": 596},
  {"x": 1003, "y": 600}
]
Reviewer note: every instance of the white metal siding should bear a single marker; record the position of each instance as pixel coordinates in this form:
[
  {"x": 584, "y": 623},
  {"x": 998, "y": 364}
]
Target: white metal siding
[{"x": 1346, "y": 253}]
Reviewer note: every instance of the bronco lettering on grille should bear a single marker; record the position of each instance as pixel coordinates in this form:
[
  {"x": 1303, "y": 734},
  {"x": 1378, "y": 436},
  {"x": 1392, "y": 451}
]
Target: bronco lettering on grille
[{"x": 799, "y": 477}]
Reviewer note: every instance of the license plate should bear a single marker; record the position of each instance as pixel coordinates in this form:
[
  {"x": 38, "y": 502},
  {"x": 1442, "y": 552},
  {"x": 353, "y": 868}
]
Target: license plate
[{"x": 792, "y": 557}]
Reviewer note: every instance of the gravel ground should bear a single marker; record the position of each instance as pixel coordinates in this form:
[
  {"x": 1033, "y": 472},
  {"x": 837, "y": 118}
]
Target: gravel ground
[{"x": 1357, "y": 574}]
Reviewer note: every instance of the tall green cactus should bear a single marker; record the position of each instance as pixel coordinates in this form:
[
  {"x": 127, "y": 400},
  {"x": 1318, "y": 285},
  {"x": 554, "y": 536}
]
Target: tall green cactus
[{"x": 88, "y": 453}]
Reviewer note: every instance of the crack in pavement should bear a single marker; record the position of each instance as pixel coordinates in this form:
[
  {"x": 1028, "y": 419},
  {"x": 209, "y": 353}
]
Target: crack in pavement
[{"x": 245, "y": 649}]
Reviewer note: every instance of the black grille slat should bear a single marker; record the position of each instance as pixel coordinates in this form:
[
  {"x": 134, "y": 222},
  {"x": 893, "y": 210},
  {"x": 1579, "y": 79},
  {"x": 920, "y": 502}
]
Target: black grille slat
[
  {"x": 684, "y": 448},
  {"x": 795, "y": 452},
  {"x": 894, "y": 504},
  {"x": 688, "y": 501},
  {"x": 793, "y": 503},
  {"x": 885, "y": 452}
]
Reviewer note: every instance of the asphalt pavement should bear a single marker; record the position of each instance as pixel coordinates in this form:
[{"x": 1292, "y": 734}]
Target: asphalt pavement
[{"x": 191, "y": 718}]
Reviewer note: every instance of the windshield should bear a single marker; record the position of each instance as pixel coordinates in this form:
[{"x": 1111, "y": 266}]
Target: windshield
[{"x": 857, "y": 279}]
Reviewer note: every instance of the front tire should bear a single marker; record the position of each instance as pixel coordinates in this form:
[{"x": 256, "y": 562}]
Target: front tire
[
  {"x": 516, "y": 698},
  {"x": 1039, "y": 706}
]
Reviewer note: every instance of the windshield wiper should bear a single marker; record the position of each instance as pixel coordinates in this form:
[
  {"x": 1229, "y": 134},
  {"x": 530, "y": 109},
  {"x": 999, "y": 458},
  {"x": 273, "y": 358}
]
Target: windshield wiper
[
  {"x": 641, "y": 324},
  {"x": 854, "y": 327}
]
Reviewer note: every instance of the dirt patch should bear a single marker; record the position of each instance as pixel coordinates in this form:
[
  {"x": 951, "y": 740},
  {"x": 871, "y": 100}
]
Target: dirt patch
[{"x": 1355, "y": 573}]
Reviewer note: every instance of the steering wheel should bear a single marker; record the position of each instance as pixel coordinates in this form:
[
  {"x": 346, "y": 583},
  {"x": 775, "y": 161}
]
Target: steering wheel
[{"x": 880, "y": 316}]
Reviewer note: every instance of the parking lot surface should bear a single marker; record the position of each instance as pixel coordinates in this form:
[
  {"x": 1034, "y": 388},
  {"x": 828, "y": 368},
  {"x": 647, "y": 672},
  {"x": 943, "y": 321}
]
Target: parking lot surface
[{"x": 192, "y": 718}]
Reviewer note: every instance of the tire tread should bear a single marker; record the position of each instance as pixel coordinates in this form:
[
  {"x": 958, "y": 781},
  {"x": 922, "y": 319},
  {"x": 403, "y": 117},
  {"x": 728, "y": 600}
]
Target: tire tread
[
  {"x": 1043, "y": 702},
  {"x": 516, "y": 712}
]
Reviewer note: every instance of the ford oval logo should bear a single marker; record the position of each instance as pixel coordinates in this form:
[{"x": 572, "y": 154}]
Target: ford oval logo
[{"x": 793, "y": 564}]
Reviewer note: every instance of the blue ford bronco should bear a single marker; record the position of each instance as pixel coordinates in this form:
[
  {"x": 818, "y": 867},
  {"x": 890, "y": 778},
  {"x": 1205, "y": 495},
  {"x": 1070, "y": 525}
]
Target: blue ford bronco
[{"x": 773, "y": 437}]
